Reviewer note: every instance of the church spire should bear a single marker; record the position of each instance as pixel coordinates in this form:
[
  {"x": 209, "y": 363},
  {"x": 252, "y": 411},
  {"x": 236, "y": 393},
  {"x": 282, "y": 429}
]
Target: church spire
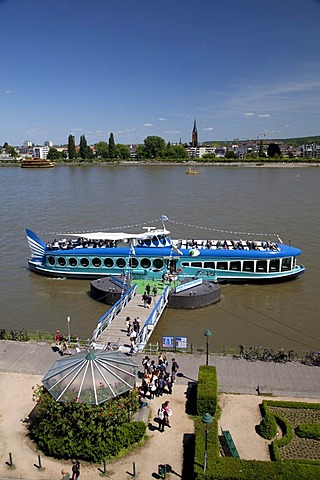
[{"x": 194, "y": 142}]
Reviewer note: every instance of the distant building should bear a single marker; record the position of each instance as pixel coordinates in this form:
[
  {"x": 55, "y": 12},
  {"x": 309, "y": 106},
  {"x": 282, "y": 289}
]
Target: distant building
[
  {"x": 41, "y": 152},
  {"x": 194, "y": 141}
]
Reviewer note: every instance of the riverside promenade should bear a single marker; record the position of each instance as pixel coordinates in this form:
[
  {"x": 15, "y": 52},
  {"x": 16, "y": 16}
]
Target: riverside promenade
[
  {"x": 234, "y": 376},
  {"x": 22, "y": 365}
]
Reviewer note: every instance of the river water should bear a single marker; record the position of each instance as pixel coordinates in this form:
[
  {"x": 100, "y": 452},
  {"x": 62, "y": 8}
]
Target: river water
[{"x": 267, "y": 200}]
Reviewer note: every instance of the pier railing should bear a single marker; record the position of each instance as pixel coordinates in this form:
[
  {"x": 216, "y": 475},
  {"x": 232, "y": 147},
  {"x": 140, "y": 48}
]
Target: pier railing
[
  {"x": 111, "y": 314},
  {"x": 152, "y": 320}
]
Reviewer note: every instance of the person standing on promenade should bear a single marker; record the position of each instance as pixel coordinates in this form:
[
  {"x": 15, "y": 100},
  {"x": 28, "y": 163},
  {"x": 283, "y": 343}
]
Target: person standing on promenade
[
  {"x": 65, "y": 474},
  {"x": 174, "y": 369},
  {"x": 167, "y": 414},
  {"x": 161, "y": 418},
  {"x": 155, "y": 291},
  {"x": 75, "y": 469}
]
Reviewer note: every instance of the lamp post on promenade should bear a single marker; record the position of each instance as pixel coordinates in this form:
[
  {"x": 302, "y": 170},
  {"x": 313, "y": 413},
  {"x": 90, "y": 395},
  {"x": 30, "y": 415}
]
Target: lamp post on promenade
[
  {"x": 68, "y": 325},
  {"x": 207, "y": 334},
  {"x": 207, "y": 419}
]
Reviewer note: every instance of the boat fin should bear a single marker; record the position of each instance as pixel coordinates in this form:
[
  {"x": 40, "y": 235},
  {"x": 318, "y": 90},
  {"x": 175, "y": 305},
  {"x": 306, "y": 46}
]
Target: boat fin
[{"x": 37, "y": 246}]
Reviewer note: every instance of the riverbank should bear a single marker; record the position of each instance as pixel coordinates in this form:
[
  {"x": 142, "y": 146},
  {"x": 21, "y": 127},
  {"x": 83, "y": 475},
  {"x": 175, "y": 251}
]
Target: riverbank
[{"x": 252, "y": 164}]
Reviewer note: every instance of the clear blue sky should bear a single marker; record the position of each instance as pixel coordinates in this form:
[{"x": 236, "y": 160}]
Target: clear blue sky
[{"x": 139, "y": 68}]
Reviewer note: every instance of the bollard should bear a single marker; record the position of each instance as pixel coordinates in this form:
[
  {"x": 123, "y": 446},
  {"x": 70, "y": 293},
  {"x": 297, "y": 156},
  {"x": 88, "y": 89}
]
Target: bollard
[
  {"x": 39, "y": 465},
  {"x": 10, "y": 463},
  {"x": 104, "y": 471},
  {"x": 162, "y": 471}
]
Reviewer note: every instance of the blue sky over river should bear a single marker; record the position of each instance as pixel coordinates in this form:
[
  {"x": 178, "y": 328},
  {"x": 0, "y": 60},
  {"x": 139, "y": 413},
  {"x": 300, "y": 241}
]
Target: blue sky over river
[{"x": 243, "y": 69}]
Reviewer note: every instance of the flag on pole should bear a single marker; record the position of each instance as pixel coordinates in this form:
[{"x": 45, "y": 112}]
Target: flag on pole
[
  {"x": 132, "y": 250},
  {"x": 68, "y": 319}
]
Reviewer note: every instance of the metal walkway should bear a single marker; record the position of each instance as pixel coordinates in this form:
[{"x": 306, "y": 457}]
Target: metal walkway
[{"x": 111, "y": 328}]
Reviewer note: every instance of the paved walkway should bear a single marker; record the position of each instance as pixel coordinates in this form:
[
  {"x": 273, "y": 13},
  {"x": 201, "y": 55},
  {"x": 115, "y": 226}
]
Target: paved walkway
[{"x": 234, "y": 376}]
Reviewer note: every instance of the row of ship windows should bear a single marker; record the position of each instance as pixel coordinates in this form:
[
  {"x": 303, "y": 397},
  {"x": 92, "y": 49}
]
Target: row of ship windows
[
  {"x": 263, "y": 266},
  {"x": 157, "y": 263},
  {"x": 273, "y": 265}
]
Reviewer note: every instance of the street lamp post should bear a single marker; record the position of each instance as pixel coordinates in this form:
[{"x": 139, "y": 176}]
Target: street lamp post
[
  {"x": 207, "y": 334},
  {"x": 68, "y": 325},
  {"x": 206, "y": 419}
]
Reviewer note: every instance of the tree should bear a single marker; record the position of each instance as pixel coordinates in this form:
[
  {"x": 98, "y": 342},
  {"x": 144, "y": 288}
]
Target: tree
[
  {"x": 84, "y": 150},
  {"x": 230, "y": 154},
  {"x": 112, "y": 146},
  {"x": 54, "y": 154},
  {"x": 10, "y": 150},
  {"x": 155, "y": 147},
  {"x": 71, "y": 148},
  {"x": 261, "y": 151},
  {"x": 102, "y": 149},
  {"x": 176, "y": 151},
  {"x": 273, "y": 150},
  {"x": 141, "y": 152},
  {"x": 122, "y": 151}
]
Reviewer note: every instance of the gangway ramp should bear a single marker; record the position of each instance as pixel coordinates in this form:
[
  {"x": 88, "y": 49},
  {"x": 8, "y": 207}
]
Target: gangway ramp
[
  {"x": 111, "y": 327},
  {"x": 116, "y": 332}
]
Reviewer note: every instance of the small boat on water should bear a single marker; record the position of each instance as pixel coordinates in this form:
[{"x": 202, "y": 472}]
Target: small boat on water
[
  {"x": 152, "y": 254},
  {"x": 191, "y": 172},
  {"x": 36, "y": 163}
]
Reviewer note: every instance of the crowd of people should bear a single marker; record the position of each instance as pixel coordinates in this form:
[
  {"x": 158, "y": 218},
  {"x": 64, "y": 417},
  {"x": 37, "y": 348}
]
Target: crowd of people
[
  {"x": 158, "y": 379},
  {"x": 80, "y": 242},
  {"x": 228, "y": 244}
]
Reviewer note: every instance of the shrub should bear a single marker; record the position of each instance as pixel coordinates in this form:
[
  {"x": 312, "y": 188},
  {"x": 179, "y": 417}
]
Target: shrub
[
  {"x": 308, "y": 430},
  {"x": 91, "y": 433},
  {"x": 267, "y": 428},
  {"x": 207, "y": 392}
]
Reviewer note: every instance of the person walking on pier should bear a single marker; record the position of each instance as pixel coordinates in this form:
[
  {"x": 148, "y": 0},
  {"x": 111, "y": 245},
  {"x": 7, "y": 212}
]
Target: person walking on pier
[{"x": 145, "y": 298}]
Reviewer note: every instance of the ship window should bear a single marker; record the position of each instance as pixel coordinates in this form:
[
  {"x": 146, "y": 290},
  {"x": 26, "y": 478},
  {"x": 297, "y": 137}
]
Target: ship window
[
  {"x": 108, "y": 262},
  {"x": 262, "y": 266},
  {"x": 84, "y": 262},
  {"x": 274, "y": 265},
  {"x": 145, "y": 263},
  {"x": 222, "y": 265},
  {"x": 235, "y": 266},
  {"x": 286, "y": 264},
  {"x": 196, "y": 264},
  {"x": 133, "y": 263},
  {"x": 62, "y": 261},
  {"x": 73, "y": 262},
  {"x": 51, "y": 260},
  {"x": 209, "y": 265},
  {"x": 96, "y": 262},
  {"x": 158, "y": 263},
  {"x": 248, "y": 266},
  {"x": 185, "y": 264},
  {"x": 121, "y": 263}
]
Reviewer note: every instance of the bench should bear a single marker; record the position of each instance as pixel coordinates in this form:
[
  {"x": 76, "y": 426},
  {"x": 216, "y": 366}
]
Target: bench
[{"x": 230, "y": 443}]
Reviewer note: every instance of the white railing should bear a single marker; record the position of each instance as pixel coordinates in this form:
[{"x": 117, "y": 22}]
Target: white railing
[
  {"x": 152, "y": 320},
  {"x": 108, "y": 317}
]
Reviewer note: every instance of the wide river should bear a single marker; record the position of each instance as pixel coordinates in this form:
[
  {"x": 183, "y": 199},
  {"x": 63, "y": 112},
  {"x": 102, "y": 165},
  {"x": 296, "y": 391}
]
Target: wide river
[{"x": 283, "y": 201}]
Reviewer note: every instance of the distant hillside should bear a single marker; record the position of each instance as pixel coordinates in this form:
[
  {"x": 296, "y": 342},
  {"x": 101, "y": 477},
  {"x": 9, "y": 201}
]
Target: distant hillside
[{"x": 288, "y": 141}]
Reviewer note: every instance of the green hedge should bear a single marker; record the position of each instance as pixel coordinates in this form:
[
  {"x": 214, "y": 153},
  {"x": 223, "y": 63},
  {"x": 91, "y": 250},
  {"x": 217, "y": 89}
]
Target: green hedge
[
  {"x": 225, "y": 468},
  {"x": 268, "y": 427},
  {"x": 88, "y": 432},
  {"x": 308, "y": 430},
  {"x": 207, "y": 391}
]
